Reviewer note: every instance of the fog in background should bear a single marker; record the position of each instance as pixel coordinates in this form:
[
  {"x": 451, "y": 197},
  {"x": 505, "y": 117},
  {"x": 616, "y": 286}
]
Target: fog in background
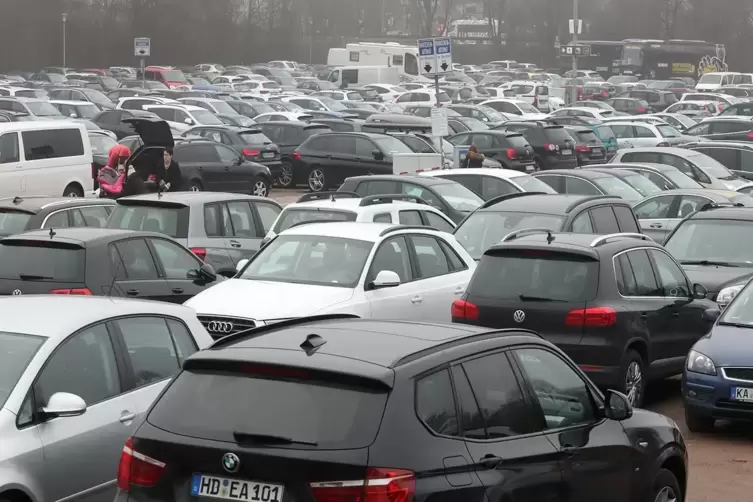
[{"x": 99, "y": 33}]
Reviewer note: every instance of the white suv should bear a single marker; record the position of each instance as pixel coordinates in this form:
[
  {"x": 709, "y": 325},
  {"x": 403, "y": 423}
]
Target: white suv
[
  {"x": 347, "y": 206},
  {"x": 371, "y": 270}
]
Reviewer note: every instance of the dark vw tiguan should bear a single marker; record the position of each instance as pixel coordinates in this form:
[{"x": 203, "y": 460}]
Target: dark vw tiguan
[{"x": 336, "y": 409}]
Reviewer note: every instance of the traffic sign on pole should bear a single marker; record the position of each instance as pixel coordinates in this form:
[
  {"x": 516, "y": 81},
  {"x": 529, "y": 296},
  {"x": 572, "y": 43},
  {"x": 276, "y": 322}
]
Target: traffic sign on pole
[
  {"x": 142, "y": 47},
  {"x": 575, "y": 50},
  {"x": 427, "y": 57},
  {"x": 443, "y": 49}
]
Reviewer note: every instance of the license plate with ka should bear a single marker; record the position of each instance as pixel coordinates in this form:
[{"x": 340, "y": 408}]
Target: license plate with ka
[{"x": 741, "y": 394}]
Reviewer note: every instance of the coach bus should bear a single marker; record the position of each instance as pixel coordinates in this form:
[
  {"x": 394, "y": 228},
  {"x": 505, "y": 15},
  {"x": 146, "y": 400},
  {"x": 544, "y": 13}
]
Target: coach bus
[{"x": 664, "y": 59}]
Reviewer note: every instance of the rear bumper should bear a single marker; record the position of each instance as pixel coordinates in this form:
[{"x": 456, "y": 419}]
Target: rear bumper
[
  {"x": 558, "y": 163},
  {"x": 275, "y": 167}
]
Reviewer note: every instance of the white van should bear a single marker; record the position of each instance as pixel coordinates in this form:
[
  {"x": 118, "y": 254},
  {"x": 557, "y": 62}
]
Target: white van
[
  {"x": 44, "y": 158},
  {"x": 714, "y": 80},
  {"x": 535, "y": 93},
  {"x": 348, "y": 76}
]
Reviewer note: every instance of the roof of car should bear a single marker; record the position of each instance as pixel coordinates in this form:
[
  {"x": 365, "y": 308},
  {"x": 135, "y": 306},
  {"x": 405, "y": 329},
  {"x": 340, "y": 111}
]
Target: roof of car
[
  {"x": 716, "y": 194},
  {"x": 581, "y": 243},
  {"x": 721, "y": 144},
  {"x": 354, "y": 204},
  {"x": 296, "y": 123},
  {"x": 632, "y": 165},
  {"x": 64, "y": 315},
  {"x": 582, "y": 173},
  {"x": 498, "y": 173},
  {"x": 724, "y": 213},
  {"x": 363, "y": 231},
  {"x": 189, "y": 198},
  {"x": 34, "y": 204},
  {"x": 680, "y": 152},
  {"x": 402, "y": 177},
  {"x": 80, "y": 235},
  {"x": 71, "y": 102},
  {"x": 548, "y": 203}
]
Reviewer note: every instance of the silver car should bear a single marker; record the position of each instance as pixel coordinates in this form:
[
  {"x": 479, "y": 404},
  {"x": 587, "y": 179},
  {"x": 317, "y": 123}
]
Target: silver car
[
  {"x": 635, "y": 134},
  {"x": 77, "y": 375}
]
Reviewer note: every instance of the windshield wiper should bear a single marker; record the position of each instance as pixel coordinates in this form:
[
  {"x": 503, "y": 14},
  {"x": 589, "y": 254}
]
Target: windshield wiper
[
  {"x": 527, "y": 298},
  {"x": 250, "y": 437},
  {"x": 32, "y": 277},
  {"x": 735, "y": 324},
  {"x": 708, "y": 263}
]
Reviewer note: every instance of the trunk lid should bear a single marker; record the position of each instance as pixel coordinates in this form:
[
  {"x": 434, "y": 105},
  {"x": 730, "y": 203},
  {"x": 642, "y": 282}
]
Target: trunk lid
[{"x": 30, "y": 266}]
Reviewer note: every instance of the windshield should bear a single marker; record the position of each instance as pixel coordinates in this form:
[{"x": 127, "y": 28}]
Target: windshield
[
  {"x": 530, "y": 184},
  {"x": 172, "y": 221},
  {"x": 526, "y": 108},
  {"x": 310, "y": 259},
  {"x": 295, "y": 216},
  {"x": 332, "y": 104},
  {"x": 710, "y": 166},
  {"x": 680, "y": 179},
  {"x": 241, "y": 120},
  {"x": 223, "y": 107},
  {"x": 492, "y": 114},
  {"x": 174, "y": 76},
  {"x": 619, "y": 79},
  {"x": 615, "y": 186},
  {"x": 13, "y": 222},
  {"x": 484, "y": 229},
  {"x": 632, "y": 56},
  {"x": 101, "y": 144},
  {"x": 87, "y": 111},
  {"x": 43, "y": 109},
  {"x": 710, "y": 79},
  {"x": 57, "y": 78},
  {"x": 198, "y": 81},
  {"x": 18, "y": 350},
  {"x": 96, "y": 97},
  {"x": 667, "y": 131},
  {"x": 390, "y": 145},
  {"x": 642, "y": 184},
  {"x": 205, "y": 117},
  {"x": 270, "y": 85},
  {"x": 726, "y": 241},
  {"x": 32, "y": 93},
  {"x": 740, "y": 311},
  {"x": 473, "y": 124},
  {"x": 459, "y": 197}
]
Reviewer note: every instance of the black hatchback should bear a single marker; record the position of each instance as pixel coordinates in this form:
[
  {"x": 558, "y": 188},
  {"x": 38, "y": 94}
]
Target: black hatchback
[
  {"x": 552, "y": 146},
  {"x": 410, "y": 412}
]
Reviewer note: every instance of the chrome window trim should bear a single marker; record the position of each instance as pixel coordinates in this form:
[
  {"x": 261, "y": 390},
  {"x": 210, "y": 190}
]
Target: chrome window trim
[
  {"x": 647, "y": 248},
  {"x": 44, "y": 222}
]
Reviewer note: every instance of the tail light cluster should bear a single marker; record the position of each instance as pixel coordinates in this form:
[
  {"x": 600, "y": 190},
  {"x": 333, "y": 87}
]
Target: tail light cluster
[
  {"x": 200, "y": 252},
  {"x": 72, "y": 291},
  {"x": 250, "y": 152},
  {"x": 592, "y": 317},
  {"x": 512, "y": 154},
  {"x": 750, "y": 135},
  {"x": 462, "y": 309},
  {"x": 138, "y": 469},
  {"x": 381, "y": 485},
  {"x": 550, "y": 146},
  {"x": 640, "y": 110},
  {"x": 582, "y": 148},
  {"x": 296, "y": 156}
]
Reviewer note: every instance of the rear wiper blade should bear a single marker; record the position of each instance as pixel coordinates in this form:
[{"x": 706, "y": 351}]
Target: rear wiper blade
[
  {"x": 735, "y": 324},
  {"x": 708, "y": 263},
  {"x": 527, "y": 298},
  {"x": 32, "y": 277},
  {"x": 250, "y": 437}
]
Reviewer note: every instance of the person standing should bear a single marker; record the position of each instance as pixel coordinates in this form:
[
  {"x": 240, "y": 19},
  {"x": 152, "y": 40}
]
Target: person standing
[
  {"x": 473, "y": 158},
  {"x": 168, "y": 173}
]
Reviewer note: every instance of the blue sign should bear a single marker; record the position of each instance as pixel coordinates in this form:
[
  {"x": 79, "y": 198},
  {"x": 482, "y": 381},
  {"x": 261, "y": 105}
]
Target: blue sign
[
  {"x": 443, "y": 46},
  {"x": 426, "y": 47}
]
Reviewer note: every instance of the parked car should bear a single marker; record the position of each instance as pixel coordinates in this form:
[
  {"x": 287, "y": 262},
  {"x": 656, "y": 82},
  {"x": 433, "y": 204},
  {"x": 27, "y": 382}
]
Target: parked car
[
  {"x": 20, "y": 214},
  {"x": 113, "y": 120},
  {"x": 552, "y": 146},
  {"x": 637, "y": 181},
  {"x": 491, "y": 183},
  {"x": 588, "y": 182},
  {"x": 510, "y": 149},
  {"x": 288, "y": 136},
  {"x": 726, "y": 128},
  {"x": 663, "y": 176},
  {"x": 588, "y": 147},
  {"x": 631, "y": 106},
  {"x": 641, "y": 135},
  {"x": 735, "y": 156}
]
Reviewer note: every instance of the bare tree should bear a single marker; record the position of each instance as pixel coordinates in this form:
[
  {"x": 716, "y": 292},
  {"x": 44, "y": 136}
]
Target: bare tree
[{"x": 669, "y": 17}]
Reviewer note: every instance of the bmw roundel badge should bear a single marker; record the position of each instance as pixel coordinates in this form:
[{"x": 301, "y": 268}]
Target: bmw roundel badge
[{"x": 231, "y": 462}]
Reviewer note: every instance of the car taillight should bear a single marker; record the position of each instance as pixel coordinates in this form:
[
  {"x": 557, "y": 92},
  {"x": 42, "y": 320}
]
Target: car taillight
[
  {"x": 73, "y": 291},
  {"x": 248, "y": 152},
  {"x": 581, "y": 148},
  {"x": 640, "y": 110},
  {"x": 512, "y": 154},
  {"x": 137, "y": 469},
  {"x": 296, "y": 156},
  {"x": 536, "y": 100},
  {"x": 592, "y": 317},
  {"x": 200, "y": 252},
  {"x": 550, "y": 146},
  {"x": 750, "y": 135},
  {"x": 663, "y": 143},
  {"x": 381, "y": 485},
  {"x": 462, "y": 309}
]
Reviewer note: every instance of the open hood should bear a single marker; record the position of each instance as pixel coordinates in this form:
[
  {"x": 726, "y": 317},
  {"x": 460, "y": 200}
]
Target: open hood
[{"x": 153, "y": 131}]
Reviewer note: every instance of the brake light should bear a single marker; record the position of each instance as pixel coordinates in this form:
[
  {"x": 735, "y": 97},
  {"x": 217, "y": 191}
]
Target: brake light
[
  {"x": 73, "y": 291},
  {"x": 137, "y": 469},
  {"x": 640, "y": 110},
  {"x": 200, "y": 252},
  {"x": 248, "y": 152},
  {"x": 550, "y": 146},
  {"x": 605, "y": 94},
  {"x": 296, "y": 156},
  {"x": 462, "y": 309},
  {"x": 591, "y": 317},
  {"x": 381, "y": 485},
  {"x": 581, "y": 148},
  {"x": 750, "y": 135},
  {"x": 512, "y": 154},
  {"x": 663, "y": 143}
]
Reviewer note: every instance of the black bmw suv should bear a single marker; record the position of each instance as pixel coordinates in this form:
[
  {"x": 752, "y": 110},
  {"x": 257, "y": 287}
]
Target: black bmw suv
[
  {"x": 411, "y": 412},
  {"x": 618, "y": 304}
]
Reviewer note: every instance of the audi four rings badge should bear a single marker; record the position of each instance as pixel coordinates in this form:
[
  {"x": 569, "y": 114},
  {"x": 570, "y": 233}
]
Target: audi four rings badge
[
  {"x": 519, "y": 316},
  {"x": 220, "y": 327}
]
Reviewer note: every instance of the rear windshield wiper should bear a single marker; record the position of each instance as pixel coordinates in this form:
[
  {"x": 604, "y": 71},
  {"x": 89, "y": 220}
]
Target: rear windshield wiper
[
  {"x": 527, "y": 298},
  {"x": 708, "y": 263},
  {"x": 250, "y": 437},
  {"x": 32, "y": 277},
  {"x": 735, "y": 324}
]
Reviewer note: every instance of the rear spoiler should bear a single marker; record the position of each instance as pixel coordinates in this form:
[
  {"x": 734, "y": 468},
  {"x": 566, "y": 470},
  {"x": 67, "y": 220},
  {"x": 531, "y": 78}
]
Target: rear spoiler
[{"x": 127, "y": 201}]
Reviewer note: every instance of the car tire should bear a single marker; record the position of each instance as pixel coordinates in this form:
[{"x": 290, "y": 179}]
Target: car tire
[
  {"x": 286, "y": 175},
  {"x": 261, "y": 187},
  {"x": 698, "y": 423},
  {"x": 632, "y": 379},
  {"x": 665, "y": 488},
  {"x": 317, "y": 179},
  {"x": 73, "y": 190},
  {"x": 195, "y": 186}
]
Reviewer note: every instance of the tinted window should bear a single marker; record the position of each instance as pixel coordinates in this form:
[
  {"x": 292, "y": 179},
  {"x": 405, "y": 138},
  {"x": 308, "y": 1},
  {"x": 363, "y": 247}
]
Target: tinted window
[
  {"x": 58, "y": 219},
  {"x": 41, "y": 262},
  {"x": 196, "y": 153},
  {"x": 12, "y": 222},
  {"x": 604, "y": 220},
  {"x": 580, "y": 187},
  {"x": 582, "y": 224},
  {"x": 435, "y": 403},
  {"x": 671, "y": 277},
  {"x": 383, "y": 218},
  {"x": 138, "y": 261},
  {"x": 242, "y": 219},
  {"x": 295, "y": 216},
  {"x": 84, "y": 365},
  {"x": 544, "y": 274},
  {"x": 430, "y": 258},
  {"x": 472, "y": 421},
  {"x": 378, "y": 187},
  {"x": 94, "y": 216},
  {"x": 9, "y": 148},
  {"x": 499, "y": 397},
  {"x": 438, "y": 222},
  {"x": 212, "y": 220},
  {"x": 150, "y": 348},
  {"x": 640, "y": 279},
  {"x": 336, "y": 416},
  {"x": 168, "y": 220},
  {"x": 626, "y": 219},
  {"x": 176, "y": 261},
  {"x": 52, "y": 144},
  {"x": 557, "y": 135},
  {"x": 410, "y": 218}
]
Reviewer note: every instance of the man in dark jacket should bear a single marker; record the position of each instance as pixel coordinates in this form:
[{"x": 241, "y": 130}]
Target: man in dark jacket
[
  {"x": 168, "y": 173},
  {"x": 473, "y": 158}
]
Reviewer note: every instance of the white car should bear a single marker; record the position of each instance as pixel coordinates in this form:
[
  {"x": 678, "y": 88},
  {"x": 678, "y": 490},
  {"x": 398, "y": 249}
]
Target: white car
[
  {"x": 583, "y": 111},
  {"x": 388, "y": 92},
  {"x": 182, "y": 117},
  {"x": 372, "y": 270},
  {"x": 282, "y": 117},
  {"x": 518, "y": 107},
  {"x": 491, "y": 183},
  {"x": 422, "y": 96},
  {"x": 316, "y": 104},
  {"x": 139, "y": 102},
  {"x": 634, "y": 134},
  {"x": 345, "y": 206},
  {"x": 340, "y": 95}
]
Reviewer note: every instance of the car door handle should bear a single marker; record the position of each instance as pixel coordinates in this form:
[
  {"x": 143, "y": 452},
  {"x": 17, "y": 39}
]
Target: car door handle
[
  {"x": 656, "y": 225},
  {"x": 177, "y": 291},
  {"x": 235, "y": 244},
  {"x": 416, "y": 299},
  {"x": 132, "y": 292},
  {"x": 127, "y": 417},
  {"x": 490, "y": 461},
  {"x": 459, "y": 290}
]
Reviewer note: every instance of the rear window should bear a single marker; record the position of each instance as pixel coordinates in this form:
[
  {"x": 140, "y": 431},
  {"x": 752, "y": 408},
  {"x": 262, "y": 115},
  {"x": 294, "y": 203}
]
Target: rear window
[
  {"x": 13, "y": 222},
  {"x": 41, "y": 262},
  {"x": 517, "y": 141},
  {"x": 309, "y": 411},
  {"x": 296, "y": 216},
  {"x": 587, "y": 137},
  {"x": 557, "y": 135},
  {"x": 605, "y": 132},
  {"x": 536, "y": 273},
  {"x": 252, "y": 138},
  {"x": 172, "y": 221},
  {"x": 312, "y": 131}
]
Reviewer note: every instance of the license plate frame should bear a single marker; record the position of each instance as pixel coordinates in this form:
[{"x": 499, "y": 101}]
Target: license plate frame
[
  {"x": 566, "y": 151},
  {"x": 268, "y": 155},
  {"x": 223, "y": 488},
  {"x": 597, "y": 152}
]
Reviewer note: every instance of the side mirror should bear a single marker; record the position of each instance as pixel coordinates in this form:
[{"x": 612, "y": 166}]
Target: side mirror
[
  {"x": 63, "y": 404},
  {"x": 241, "y": 263},
  {"x": 711, "y": 315},
  {"x": 377, "y": 155},
  {"x": 699, "y": 291},
  {"x": 617, "y": 406},
  {"x": 188, "y": 121},
  {"x": 385, "y": 279},
  {"x": 73, "y": 116},
  {"x": 204, "y": 274}
]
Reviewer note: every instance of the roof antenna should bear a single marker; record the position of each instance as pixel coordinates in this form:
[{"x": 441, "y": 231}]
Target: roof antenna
[
  {"x": 549, "y": 237},
  {"x": 52, "y": 233},
  {"x": 312, "y": 343},
  {"x": 332, "y": 197}
]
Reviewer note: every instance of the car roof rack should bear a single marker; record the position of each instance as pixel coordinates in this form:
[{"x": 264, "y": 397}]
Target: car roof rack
[
  {"x": 261, "y": 330},
  {"x": 372, "y": 200},
  {"x": 333, "y": 195},
  {"x": 526, "y": 231},
  {"x": 398, "y": 227},
  {"x": 603, "y": 239},
  {"x": 508, "y": 196},
  {"x": 589, "y": 199},
  {"x": 719, "y": 205}
]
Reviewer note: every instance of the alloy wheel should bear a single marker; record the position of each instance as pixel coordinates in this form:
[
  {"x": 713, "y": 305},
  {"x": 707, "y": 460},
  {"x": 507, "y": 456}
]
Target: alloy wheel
[
  {"x": 286, "y": 176},
  {"x": 316, "y": 180},
  {"x": 195, "y": 188},
  {"x": 666, "y": 494},
  {"x": 633, "y": 382},
  {"x": 260, "y": 189}
]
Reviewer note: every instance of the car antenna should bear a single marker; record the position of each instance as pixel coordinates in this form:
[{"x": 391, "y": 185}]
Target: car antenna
[
  {"x": 52, "y": 233},
  {"x": 549, "y": 237}
]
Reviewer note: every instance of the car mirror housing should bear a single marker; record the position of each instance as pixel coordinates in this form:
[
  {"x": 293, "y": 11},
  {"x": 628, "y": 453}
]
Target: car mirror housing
[
  {"x": 617, "y": 406},
  {"x": 63, "y": 404}
]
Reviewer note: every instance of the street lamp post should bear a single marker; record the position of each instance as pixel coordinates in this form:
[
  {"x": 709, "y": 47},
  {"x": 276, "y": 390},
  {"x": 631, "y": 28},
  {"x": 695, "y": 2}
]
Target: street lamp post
[
  {"x": 574, "y": 97},
  {"x": 65, "y": 20}
]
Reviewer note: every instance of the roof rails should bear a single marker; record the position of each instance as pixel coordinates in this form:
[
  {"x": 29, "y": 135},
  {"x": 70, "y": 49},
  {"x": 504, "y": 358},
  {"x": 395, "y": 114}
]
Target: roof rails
[
  {"x": 328, "y": 195},
  {"x": 397, "y": 228},
  {"x": 526, "y": 231},
  {"x": 624, "y": 235},
  {"x": 588, "y": 199},
  {"x": 508, "y": 196},
  {"x": 372, "y": 200},
  {"x": 718, "y": 205},
  {"x": 261, "y": 330}
]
